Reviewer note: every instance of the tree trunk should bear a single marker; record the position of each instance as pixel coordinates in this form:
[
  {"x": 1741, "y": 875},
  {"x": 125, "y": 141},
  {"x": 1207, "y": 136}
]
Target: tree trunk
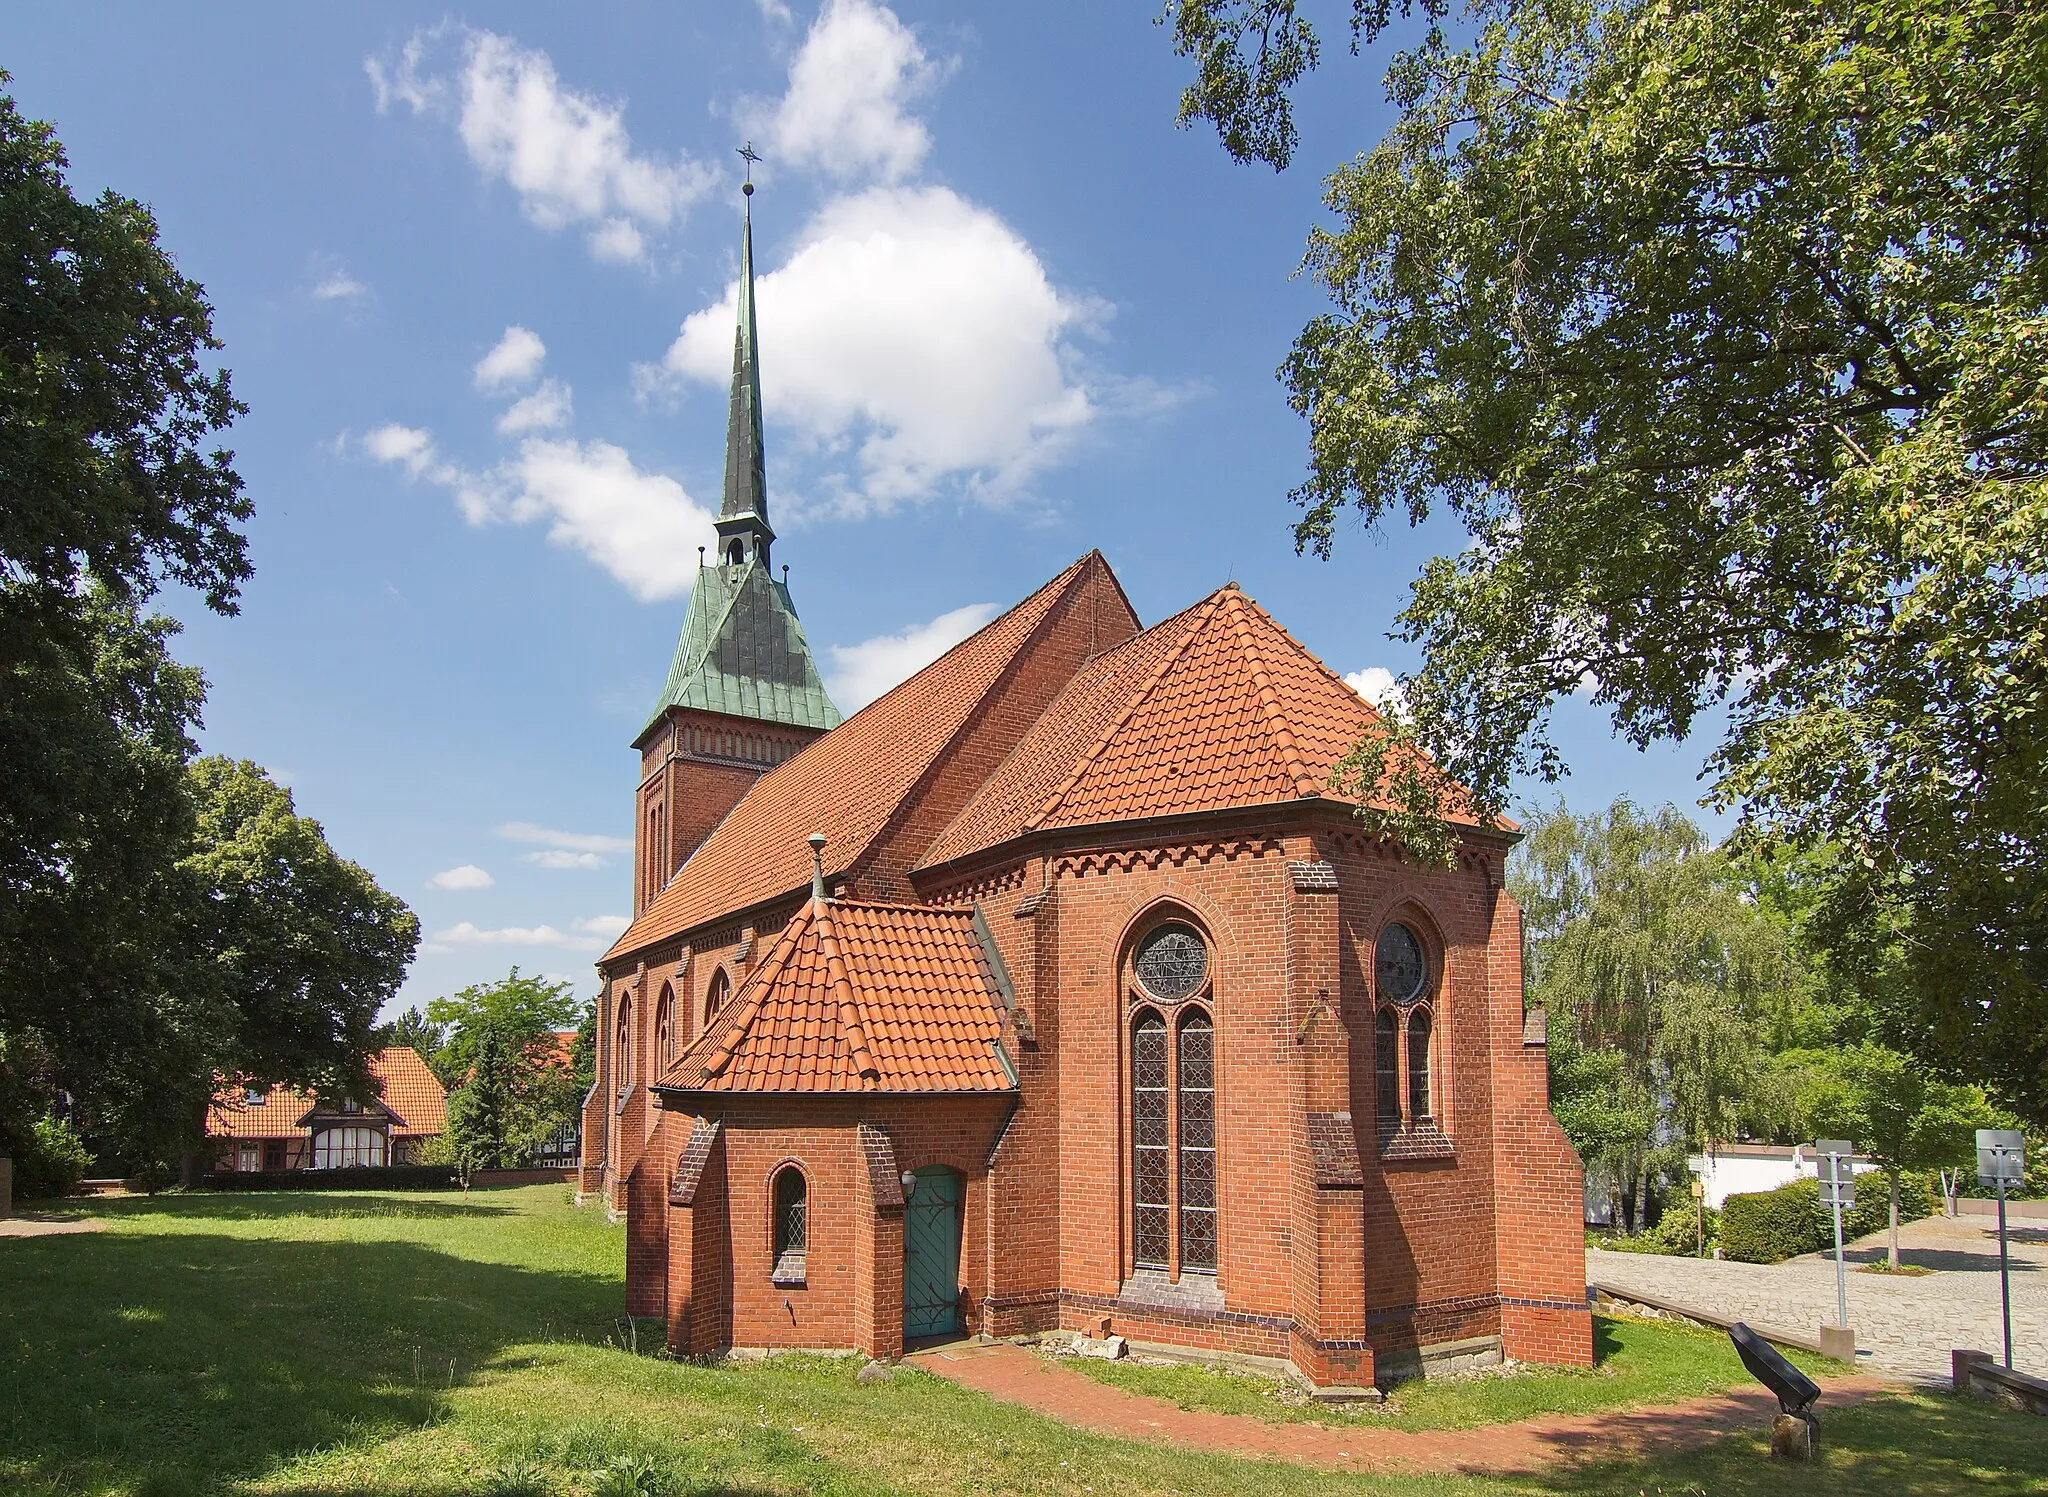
[{"x": 1893, "y": 1176}]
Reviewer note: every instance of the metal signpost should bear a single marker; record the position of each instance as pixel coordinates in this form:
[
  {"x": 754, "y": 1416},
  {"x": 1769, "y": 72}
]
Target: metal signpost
[
  {"x": 1837, "y": 1189},
  {"x": 2002, "y": 1162}
]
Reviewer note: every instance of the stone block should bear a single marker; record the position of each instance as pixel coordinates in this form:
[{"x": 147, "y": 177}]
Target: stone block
[
  {"x": 1109, "y": 1348},
  {"x": 1839, "y": 1342}
]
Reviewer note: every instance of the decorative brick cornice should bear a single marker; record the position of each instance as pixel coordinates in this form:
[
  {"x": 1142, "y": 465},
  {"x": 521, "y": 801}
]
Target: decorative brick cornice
[
  {"x": 682, "y": 1190},
  {"x": 1125, "y": 859}
]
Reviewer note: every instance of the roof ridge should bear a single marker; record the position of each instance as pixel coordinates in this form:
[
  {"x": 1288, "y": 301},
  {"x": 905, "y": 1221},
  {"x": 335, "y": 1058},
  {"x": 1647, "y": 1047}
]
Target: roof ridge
[
  {"x": 851, "y": 1031},
  {"x": 760, "y": 980},
  {"x": 1136, "y": 700},
  {"x": 1269, "y": 701},
  {"x": 1320, "y": 663},
  {"x": 1066, "y": 581},
  {"x": 914, "y": 909}
]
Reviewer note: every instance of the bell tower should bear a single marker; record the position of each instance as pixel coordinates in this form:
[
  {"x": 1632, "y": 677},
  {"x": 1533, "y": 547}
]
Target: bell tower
[{"x": 743, "y": 691}]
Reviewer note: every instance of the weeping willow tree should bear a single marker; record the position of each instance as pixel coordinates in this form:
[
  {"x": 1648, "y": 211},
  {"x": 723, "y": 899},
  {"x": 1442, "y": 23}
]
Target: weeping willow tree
[{"x": 1666, "y": 986}]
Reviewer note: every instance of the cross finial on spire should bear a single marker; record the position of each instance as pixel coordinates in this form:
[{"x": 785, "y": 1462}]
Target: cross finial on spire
[{"x": 748, "y": 154}]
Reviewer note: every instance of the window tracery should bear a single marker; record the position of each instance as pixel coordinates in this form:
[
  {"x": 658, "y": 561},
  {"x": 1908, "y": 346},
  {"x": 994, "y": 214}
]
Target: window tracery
[{"x": 1172, "y": 1099}]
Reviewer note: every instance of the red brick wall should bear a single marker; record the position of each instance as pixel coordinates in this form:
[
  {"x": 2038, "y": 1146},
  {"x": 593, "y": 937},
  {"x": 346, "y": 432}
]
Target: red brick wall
[{"x": 852, "y": 1295}]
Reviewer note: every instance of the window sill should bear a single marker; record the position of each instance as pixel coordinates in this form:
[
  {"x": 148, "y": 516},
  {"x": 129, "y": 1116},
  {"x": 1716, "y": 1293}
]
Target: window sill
[
  {"x": 788, "y": 1272},
  {"x": 1420, "y": 1141}
]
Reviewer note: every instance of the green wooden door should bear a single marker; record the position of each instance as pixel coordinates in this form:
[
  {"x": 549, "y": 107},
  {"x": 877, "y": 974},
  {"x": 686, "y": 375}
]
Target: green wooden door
[{"x": 931, "y": 1255}]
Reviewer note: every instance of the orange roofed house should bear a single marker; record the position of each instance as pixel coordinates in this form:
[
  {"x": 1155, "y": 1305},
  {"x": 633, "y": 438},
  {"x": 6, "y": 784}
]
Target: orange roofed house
[
  {"x": 277, "y": 1128},
  {"x": 1094, "y": 1002}
]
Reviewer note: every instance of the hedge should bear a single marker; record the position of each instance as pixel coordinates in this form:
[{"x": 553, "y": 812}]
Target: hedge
[
  {"x": 1773, "y": 1225},
  {"x": 364, "y": 1177}
]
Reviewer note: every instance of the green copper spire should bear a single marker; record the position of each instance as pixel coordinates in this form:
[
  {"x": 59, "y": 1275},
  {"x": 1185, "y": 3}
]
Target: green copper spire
[
  {"x": 742, "y": 651},
  {"x": 743, "y": 530}
]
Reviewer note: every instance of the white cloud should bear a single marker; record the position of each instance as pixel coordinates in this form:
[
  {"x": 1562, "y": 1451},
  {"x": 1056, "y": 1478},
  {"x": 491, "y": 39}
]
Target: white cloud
[
  {"x": 547, "y": 836},
  {"x": 546, "y": 408},
  {"x": 1377, "y": 685},
  {"x": 514, "y": 361},
  {"x": 557, "y": 857},
  {"x": 591, "y": 934},
  {"x": 566, "y": 154},
  {"x": 848, "y": 86},
  {"x": 338, "y": 285},
  {"x": 640, "y": 527},
  {"x": 862, "y": 672},
  {"x": 468, "y": 876},
  {"x": 920, "y": 330}
]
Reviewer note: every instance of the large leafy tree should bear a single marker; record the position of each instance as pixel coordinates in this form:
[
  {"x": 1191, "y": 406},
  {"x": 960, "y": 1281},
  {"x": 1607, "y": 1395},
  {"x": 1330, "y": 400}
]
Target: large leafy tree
[
  {"x": 1720, "y": 328},
  {"x": 1665, "y": 981},
  {"x": 158, "y": 924}
]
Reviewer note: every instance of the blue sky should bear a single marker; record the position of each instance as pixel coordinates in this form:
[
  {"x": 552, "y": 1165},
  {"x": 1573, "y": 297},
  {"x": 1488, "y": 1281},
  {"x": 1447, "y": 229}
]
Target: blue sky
[{"x": 474, "y": 276}]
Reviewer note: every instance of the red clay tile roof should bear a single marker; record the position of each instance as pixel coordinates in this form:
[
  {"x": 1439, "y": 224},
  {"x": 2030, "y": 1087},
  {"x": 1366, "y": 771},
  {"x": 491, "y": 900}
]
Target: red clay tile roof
[
  {"x": 846, "y": 784},
  {"x": 864, "y": 998},
  {"x": 409, "y": 1088},
  {"x": 1216, "y": 707}
]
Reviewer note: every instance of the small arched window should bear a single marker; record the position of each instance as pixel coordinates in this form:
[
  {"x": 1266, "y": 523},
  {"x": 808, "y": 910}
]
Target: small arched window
[
  {"x": 1418, "y": 1066},
  {"x": 789, "y": 1200},
  {"x": 714, "y": 1000},
  {"x": 665, "y": 1028},
  {"x": 622, "y": 1052},
  {"x": 1387, "y": 1067}
]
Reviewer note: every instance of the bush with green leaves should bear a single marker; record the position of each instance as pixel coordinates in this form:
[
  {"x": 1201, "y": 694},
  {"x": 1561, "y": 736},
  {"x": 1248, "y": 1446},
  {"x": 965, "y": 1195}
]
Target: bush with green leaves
[
  {"x": 1769, "y": 1226},
  {"x": 53, "y": 1162}
]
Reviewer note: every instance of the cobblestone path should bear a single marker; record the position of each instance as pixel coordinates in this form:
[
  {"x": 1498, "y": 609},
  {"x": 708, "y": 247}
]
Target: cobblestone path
[{"x": 1904, "y": 1325}]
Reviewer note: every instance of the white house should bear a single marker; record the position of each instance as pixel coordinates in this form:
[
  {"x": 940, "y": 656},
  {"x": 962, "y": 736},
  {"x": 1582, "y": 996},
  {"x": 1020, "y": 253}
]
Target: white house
[{"x": 1741, "y": 1169}]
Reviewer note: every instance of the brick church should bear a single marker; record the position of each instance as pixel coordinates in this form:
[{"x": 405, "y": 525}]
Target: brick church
[{"x": 1058, "y": 985}]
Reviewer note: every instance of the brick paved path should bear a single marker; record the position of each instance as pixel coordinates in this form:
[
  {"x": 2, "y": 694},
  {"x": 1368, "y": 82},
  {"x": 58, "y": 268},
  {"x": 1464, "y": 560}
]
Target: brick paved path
[
  {"x": 1017, "y": 1375},
  {"x": 1908, "y": 1326}
]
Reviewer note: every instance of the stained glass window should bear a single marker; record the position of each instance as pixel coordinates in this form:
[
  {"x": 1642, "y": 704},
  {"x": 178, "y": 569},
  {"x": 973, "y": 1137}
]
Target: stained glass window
[
  {"x": 716, "y": 1000},
  {"x": 665, "y": 1027},
  {"x": 1387, "y": 1066},
  {"x": 1400, "y": 970},
  {"x": 1197, "y": 1101},
  {"x": 1418, "y": 1065},
  {"x": 1172, "y": 962},
  {"x": 1149, "y": 1141},
  {"x": 622, "y": 1054}
]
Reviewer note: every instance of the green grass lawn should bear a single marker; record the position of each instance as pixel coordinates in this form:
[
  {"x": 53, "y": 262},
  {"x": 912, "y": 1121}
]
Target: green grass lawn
[
  {"x": 1637, "y": 1362},
  {"x": 434, "y": 1344}
]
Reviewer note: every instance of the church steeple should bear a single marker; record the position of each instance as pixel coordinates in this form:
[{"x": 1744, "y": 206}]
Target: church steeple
[{"x": 743, "y": 530}]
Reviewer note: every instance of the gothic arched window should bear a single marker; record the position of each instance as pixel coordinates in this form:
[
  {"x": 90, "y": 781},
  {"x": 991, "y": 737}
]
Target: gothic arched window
[
  {"x": 665, "y": 1028},
  {"x": 1195, "y": 1110},
  {"x": 622, "y": 1053},
  {"x": 1418, "y": 1066},
  {"x": 1151, "y": 1208},
  {"x": 1387, "y": 1067},
  {"x": 721, "y": 986}
]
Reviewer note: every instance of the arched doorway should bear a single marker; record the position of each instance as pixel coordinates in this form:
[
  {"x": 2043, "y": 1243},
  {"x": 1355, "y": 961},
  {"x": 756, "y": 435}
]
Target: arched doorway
[{"x": 931, "y": 1254}]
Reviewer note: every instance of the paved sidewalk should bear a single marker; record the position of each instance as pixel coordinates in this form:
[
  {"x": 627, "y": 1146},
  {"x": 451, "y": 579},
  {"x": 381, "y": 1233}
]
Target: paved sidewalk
[
  {"x": 1015, "y": 1374},
  {"x": 45, "y": 1224},
  {"x": 1904, "y": 1325}
]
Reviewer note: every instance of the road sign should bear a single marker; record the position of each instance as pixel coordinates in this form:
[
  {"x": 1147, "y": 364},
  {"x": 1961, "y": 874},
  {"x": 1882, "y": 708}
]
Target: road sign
[{"x": 2001, "y": 1157}]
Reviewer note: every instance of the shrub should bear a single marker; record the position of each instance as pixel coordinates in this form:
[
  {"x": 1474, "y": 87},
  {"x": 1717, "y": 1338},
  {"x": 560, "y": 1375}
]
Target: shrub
[
  {"x": 1772, "y": 1225},
  {"x": 1872, "y": 1211},
  {"x": 53, "y": 1163}
]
